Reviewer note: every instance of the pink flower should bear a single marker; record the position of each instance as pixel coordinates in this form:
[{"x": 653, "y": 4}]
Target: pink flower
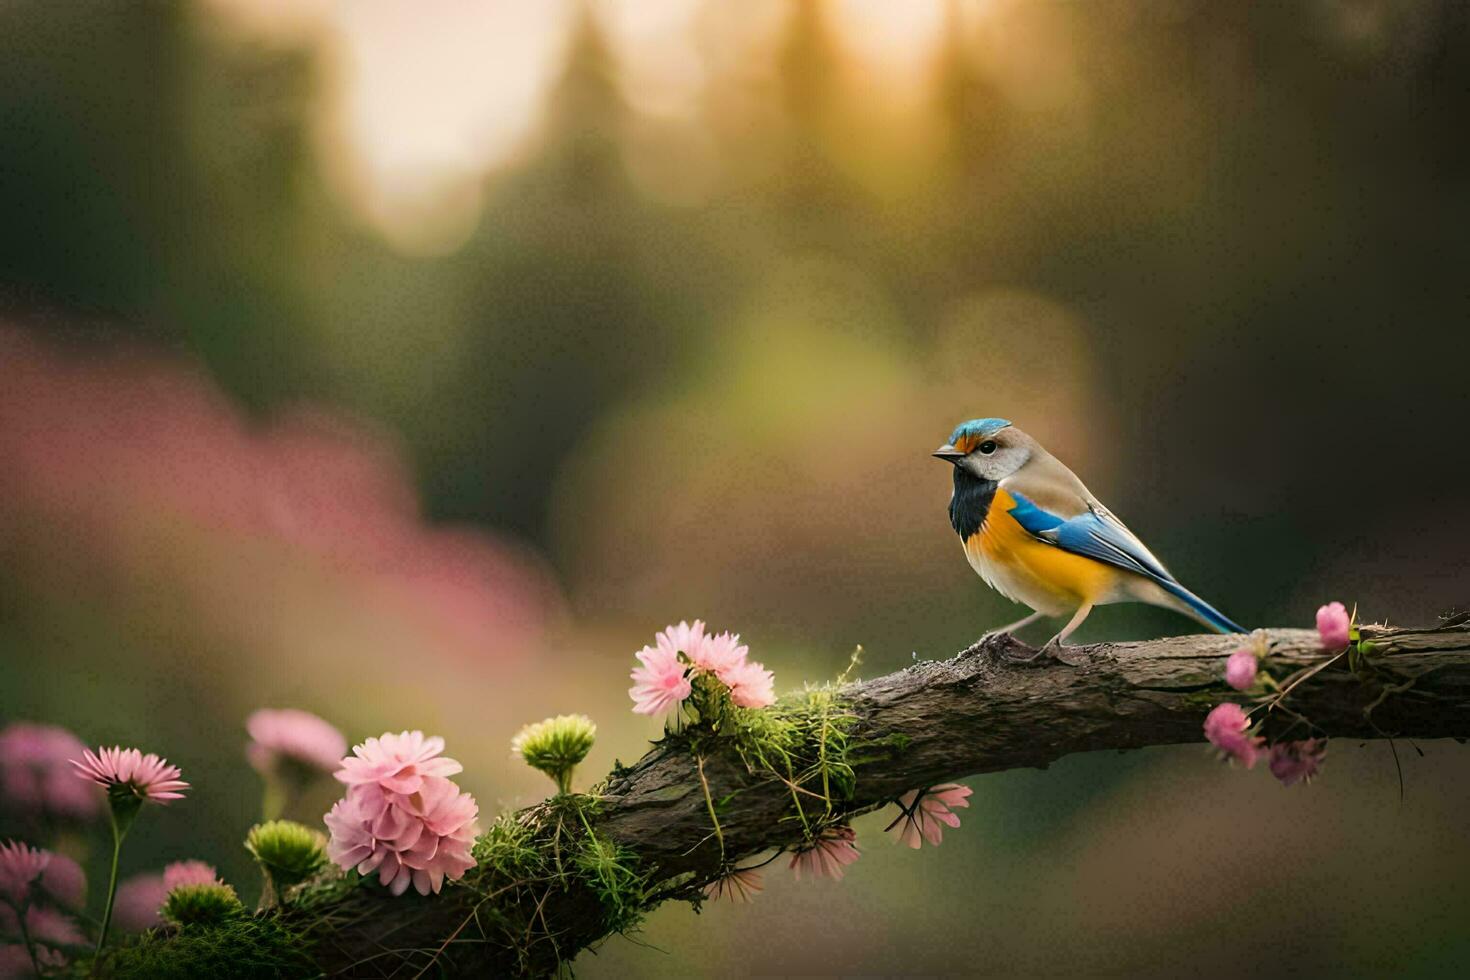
[
  {"x": 181, "y": 873},
  {"x": 1240, "y": 669},
  {"x": 138, "y": 900},
  {"x": 418, "y": 836},
  {"x": 118, "y": 769},
  {"x": 53, "y": 927},
  {"x": 925, "y": 813},
  {"x": 722, "y": 653},
  {"x": 685, "y": 638},
  {"x": 34, "y": 776},
  {"x": 751, "y": 685},
  {"x": 64, "y": 882},
  {"x": 741, "y": 885},
  {"x": 825, "y": 857},
  {"x": 291, "y": 736},
  {"x": 1226, "y": 729},
  {"x": 397, "y": 763},
  {"x": 1297, "y": 762},
  {"x": 15, "y": 961},
  {"x": 20, "y": 868},
  {"x": 660, "y": 685},
  {"x": 1333, "y": 625}
]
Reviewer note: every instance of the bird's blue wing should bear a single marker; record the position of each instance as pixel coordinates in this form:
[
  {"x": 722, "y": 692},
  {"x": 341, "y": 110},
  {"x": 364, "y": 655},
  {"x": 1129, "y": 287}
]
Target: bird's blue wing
[{"x": 1097, "y": 534}]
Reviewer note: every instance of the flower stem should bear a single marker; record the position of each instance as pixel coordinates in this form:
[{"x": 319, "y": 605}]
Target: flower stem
[
  {"x": 25, "y": 935},
  {"x": 119, "y": 831}
]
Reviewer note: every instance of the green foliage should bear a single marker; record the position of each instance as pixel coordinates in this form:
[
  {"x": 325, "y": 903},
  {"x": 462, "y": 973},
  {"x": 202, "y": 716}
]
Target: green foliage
[
  {"x": 243, "y": 947},
  {"x": 288, "y": 852},
  {"x": 508, "y": 849},
  {"x": 201, "y": 905},
  {"x": 610, "y": 870}
]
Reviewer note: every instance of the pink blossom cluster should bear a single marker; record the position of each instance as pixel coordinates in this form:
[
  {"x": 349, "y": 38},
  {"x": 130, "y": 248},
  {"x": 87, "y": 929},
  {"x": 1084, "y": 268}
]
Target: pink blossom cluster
[
  {"x": 35, "y": 780},
  {"x": 402, "y": 816},
  {"x": 1227, "y": 728},
  {"x": 1334, "y": 626},
  {"x": 682, "y": 652}
]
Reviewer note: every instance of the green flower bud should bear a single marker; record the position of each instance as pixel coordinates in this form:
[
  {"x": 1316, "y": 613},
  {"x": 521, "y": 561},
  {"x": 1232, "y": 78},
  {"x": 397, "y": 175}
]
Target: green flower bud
[
  {"x": 201, "y": 905},
  {"x": 556, "y": 745},
  {"x": 288, "y": 852}
]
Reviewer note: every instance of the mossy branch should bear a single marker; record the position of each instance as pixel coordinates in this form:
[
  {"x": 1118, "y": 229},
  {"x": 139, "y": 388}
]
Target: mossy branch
[{"x": 646, "y": 836}]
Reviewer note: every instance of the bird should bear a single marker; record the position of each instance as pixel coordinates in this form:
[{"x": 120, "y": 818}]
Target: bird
[{"x": 1039, "y": 537}]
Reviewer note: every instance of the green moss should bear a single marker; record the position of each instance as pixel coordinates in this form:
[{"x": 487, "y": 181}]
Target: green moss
[
  {"x": 201, "y": 905},
  {"x": 246, "y": 947}
]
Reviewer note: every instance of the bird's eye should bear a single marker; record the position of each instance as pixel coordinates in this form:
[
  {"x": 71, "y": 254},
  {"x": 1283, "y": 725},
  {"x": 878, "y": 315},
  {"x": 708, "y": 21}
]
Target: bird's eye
[{"x": 987, "y": 447}]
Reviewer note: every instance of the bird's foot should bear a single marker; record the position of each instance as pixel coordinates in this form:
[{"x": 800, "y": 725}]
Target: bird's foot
[{"x": 1059, "y": 651}]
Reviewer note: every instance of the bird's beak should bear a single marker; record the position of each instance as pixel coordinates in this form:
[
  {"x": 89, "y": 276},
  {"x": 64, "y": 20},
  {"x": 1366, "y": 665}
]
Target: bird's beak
[{"x": 948, "y": 453}]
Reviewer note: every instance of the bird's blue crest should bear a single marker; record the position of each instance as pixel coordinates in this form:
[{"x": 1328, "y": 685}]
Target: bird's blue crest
[{"x": 977, "y": 429}]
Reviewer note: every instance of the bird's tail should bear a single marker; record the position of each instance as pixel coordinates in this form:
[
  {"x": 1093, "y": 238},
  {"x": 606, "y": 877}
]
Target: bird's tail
[{"x": 1197, "y": 608}]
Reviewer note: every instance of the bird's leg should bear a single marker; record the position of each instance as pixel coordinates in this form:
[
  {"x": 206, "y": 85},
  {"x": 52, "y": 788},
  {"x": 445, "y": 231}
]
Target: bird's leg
[
  {"x": 1058, "y": 643},
  {"x": 1021, "y": 623}
]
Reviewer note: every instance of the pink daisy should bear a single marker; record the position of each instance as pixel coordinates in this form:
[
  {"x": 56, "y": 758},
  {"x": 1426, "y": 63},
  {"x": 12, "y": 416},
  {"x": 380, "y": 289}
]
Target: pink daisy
[
  {"x": 288, "y": 735},
  {"x": 120, "y": 770},
  {"x": 834, "y": 849},
  {"x": 181, "y": 873},
  {"x": 660, "y": 685},
  {"x": 20, "y": 868},
  {"x": 751, "y": 685},
  {"x": 926, "y": 812},
  {"x": 741, "y": 885},
  {"x": 35, "y": 779},
  {"x": 1334, "y": 626},
  {"x": 53, "y": 927},
  {"x": 1240, "y": 669},
  {"x": 1297, "y": 762},
  {"x": 397, "y": 763},
  {"x": 1226, "y": 728}
]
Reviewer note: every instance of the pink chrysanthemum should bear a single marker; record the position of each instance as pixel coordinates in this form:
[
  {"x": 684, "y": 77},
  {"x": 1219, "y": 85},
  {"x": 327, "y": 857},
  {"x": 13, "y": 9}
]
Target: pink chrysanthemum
[
  {"x": 751, "y": 685},
  {"x": 397, "y": 763},
  {"x": 1297, "y": 762},
  {"x": 1226, "y": 728},
  {"x": 35, "y": 779},
  {"x": 741, "y": 886},
  {"x": 926, "y": 812},
  {"x": 686, "y": 638},
  {"x": 294, "y": 737},
  {"x": 1240, "y": 669},
  {"x": 122, "y": 770},
  {"x": 21, "y": 867},
  {"x": 661, "y": 684},
  {"x": 1334, "y": 626},
  {"x": 182, "y": 873},
  {"x": 833, "y": 850},
  {"x": 138, "y": 901},
  {"x": 415, "y": 837}
]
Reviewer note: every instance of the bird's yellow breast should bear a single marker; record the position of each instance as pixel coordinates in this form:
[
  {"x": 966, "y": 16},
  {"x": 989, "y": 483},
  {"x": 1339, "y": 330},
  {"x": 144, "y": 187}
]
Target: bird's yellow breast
[{"x": 1027, "y": 565}]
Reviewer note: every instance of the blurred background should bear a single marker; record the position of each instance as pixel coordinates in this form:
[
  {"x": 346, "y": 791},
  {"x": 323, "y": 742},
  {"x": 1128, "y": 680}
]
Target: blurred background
[{"x": 412, "y": 363}]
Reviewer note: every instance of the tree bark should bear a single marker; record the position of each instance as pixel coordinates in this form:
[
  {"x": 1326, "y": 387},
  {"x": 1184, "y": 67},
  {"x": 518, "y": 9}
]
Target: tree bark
[{"x": 985, "y": 710}]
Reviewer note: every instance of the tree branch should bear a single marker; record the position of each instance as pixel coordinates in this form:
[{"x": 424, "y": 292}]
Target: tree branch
[{"x": 985, "y": 710}]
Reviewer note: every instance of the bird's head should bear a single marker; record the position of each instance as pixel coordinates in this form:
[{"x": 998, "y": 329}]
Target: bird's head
[{"x": 991, "y": 449}]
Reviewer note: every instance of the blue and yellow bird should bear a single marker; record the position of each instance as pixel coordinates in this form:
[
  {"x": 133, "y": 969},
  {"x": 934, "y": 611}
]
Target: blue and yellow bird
[{"x": 1037, "y": 536}]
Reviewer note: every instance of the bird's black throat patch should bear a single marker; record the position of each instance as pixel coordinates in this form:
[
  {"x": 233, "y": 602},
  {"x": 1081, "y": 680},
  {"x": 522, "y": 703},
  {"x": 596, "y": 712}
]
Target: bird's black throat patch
[{"x": 970, "y": 503}]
